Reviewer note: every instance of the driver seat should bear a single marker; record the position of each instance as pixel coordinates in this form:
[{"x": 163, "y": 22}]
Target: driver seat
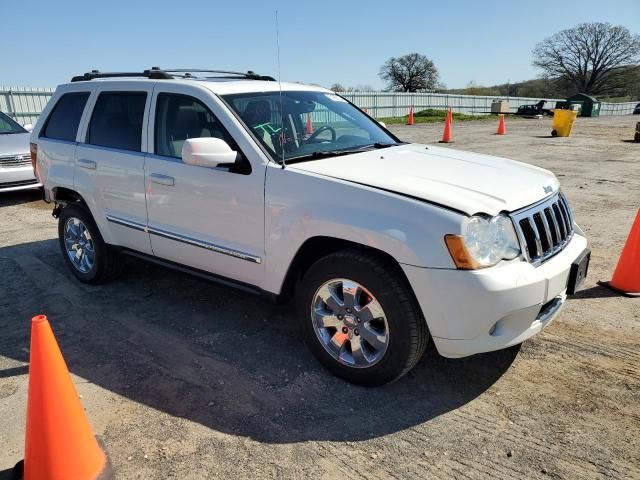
[{"x": 258, "y": 113}]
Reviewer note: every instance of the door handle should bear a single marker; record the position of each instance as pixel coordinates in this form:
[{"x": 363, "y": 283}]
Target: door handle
[
  {"x": 162, "y": 179},
  {"x": 89, "y": 164}
]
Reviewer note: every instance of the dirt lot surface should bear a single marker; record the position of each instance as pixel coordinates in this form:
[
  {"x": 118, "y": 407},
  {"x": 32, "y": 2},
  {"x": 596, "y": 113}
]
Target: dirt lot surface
[{"x": 185, "y": 379}]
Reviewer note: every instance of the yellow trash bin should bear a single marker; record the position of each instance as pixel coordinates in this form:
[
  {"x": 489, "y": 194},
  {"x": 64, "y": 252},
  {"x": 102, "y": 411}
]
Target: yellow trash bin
[{"x": 563, "y": 122}]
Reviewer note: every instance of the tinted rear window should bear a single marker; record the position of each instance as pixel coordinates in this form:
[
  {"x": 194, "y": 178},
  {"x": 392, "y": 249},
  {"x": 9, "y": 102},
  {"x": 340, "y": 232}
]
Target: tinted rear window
[
  {"x": 117, "y": 120},
  {"x": 65, "y": 117}
]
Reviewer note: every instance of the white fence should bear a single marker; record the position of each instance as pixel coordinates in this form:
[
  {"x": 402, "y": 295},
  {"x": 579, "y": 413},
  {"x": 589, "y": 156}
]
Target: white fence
[
  {"x": 25, "y": 104},
  {"x": 392, "y": 104},
  {"x": 624, "y": 108}
]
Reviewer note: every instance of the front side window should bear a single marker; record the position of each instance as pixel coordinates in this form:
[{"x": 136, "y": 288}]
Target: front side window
[
  {"x": 179, "y": 117},
  {"x": 117, "y": 120},
  {"x": 65, "y": 117},
  {"x": 307, "y": 125},
  {"x": 9, "y": 126}
]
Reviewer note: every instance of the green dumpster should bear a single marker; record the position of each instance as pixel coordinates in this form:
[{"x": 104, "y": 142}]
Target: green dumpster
[{"x": 589, "y": 106}]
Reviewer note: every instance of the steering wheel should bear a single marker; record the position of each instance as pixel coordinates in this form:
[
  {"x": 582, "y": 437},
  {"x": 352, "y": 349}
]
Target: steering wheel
[{"x": 323, "y": 128}]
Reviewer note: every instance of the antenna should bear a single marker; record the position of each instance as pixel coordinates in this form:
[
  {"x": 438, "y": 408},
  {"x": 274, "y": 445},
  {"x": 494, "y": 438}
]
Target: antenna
[{"x": 282, "y": 133}]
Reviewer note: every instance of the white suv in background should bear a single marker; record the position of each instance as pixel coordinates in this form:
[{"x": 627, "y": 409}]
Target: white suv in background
[{"x": 291, "y": 191}]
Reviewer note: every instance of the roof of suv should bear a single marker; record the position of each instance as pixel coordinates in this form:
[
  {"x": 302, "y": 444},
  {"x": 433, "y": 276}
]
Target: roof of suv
[
  {"x": 229, "y": 83},
  {"x": 226, "y": 86}
]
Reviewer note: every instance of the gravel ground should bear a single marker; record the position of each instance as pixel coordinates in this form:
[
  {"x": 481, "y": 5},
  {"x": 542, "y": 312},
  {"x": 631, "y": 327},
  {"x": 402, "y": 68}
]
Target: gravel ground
[{"x": 185, "y": 379}]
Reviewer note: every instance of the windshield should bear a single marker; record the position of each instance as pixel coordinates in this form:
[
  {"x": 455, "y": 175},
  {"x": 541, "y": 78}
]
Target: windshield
[
  {"x": 8, "y": 126},
  {"x": 316, "y": 124}
]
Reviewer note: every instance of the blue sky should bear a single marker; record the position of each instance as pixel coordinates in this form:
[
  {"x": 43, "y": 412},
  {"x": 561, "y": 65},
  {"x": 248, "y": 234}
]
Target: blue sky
[{"x": 44, "y": 43}]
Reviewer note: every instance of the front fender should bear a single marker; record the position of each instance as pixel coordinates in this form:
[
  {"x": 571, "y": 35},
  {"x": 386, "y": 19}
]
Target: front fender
[{"x": 300, "y": 205}]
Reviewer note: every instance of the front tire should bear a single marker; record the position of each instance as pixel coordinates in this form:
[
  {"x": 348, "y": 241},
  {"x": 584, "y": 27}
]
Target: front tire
[
  {"x": 84, "y": 251},
  {"x": 360, "y": 318}
]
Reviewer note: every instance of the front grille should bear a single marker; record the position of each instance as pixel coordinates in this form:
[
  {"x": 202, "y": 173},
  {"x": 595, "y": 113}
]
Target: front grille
[
  {"x": 544, "y": 229},
  {"x": 11, "y": 161}
]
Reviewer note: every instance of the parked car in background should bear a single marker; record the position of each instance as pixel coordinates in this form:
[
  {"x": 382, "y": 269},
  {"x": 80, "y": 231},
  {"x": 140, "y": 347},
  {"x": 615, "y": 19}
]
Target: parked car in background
[
  {"x": 290, "y": 191},
  {"x": 636, "y": 111},
  {"x": 16, "y": 169}
]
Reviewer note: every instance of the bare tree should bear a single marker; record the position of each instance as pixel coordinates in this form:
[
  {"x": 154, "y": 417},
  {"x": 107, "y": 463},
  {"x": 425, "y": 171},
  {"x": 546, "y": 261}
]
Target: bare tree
[
  {"x": 410, "y": 73},
  {"x": 336, "y": 87},
  {"x": 589, "y": 57},
  {"x": 360, "y": 87}
]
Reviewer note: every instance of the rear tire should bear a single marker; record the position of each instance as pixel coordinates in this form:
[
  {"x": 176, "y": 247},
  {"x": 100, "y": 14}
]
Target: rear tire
[
  {"x": 342, "y": 344},
  {"x": 84, "y": 251}
]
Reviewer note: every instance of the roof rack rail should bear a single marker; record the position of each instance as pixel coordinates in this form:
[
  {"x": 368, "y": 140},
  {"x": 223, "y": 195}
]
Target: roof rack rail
[
  {"x": 157, "y": 73},
  {"x": 153, "y": 73},
  {"x": 250, "y": 75}
]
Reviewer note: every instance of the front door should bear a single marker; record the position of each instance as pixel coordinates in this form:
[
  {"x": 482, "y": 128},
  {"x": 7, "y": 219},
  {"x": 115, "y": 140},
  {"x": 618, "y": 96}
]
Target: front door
[{"x": 211, "y": 219}]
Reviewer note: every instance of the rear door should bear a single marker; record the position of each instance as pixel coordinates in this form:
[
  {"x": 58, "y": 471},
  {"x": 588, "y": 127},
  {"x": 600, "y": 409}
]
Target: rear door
[{"x": 110, "y": 162}]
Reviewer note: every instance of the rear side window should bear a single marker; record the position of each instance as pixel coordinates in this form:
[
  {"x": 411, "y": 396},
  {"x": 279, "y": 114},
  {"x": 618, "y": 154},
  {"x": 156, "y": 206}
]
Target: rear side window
[
  {"x": 65, "y": 117},
  {"x": 117, "y": 120}
]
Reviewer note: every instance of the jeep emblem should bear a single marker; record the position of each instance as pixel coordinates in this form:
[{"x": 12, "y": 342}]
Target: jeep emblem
[{"x": 548, "y": 189}]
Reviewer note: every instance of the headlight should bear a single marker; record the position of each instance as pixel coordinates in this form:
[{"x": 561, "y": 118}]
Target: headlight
[{"x": 485, "y": 241}]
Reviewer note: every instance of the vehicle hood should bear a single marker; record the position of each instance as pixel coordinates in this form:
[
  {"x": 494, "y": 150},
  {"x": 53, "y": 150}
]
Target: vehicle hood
[
  {"x": 465, "y": 181},
  {"x": 14, "y": 144}
]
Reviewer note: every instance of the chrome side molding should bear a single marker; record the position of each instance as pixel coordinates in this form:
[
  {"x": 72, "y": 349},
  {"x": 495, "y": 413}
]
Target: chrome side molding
[{"x": 185, "y": 239}]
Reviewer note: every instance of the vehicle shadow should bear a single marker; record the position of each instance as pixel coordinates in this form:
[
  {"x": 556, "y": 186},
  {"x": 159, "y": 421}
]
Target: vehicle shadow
[
  {"x": 10, "y": 474},
  {"x": 19, "y": 197},
  {"x": 216, "y": 356},
  {"x": 597, "y": 291}
]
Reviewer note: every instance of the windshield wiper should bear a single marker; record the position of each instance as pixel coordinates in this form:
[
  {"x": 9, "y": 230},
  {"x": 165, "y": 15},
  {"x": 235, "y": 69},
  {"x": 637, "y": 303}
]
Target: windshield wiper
[
  {"x": 318, "y": 155},
  {"x": 378, "y": 145},
  {"x": 337, "y": 153}
]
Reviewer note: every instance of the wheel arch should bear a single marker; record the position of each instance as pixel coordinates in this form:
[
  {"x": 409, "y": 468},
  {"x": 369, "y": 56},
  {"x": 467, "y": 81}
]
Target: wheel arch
[
  {"x": 315, "y": 248},
  {"x": 63, "y": 196}
]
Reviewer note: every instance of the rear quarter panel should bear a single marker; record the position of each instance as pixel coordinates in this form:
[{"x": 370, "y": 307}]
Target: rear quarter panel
[{"x": 56, "y": 158}]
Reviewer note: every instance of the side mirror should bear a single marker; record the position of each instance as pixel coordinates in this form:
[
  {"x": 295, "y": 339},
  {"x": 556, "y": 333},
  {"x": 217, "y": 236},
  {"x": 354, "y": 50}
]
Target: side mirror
[
  {"x": 28, "y": 127},
  {"x": 384, "y": 125},
  {"x": 207, "y": 152}
]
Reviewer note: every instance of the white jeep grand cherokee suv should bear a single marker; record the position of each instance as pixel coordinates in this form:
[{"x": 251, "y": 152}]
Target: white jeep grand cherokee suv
[{"x": 290, "y": 190}]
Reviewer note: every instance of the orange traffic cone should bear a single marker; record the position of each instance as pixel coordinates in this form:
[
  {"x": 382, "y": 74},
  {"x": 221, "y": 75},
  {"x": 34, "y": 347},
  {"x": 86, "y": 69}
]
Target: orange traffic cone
[
  {"x": 309, "y": 124},
  {"x": 410, "y": 120},
  {"x": 59, "y": 442},
  {"x": 626, "y": 278},
  {"x": 502, "y": 129},
  {"x": 446, "y": 135}
]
